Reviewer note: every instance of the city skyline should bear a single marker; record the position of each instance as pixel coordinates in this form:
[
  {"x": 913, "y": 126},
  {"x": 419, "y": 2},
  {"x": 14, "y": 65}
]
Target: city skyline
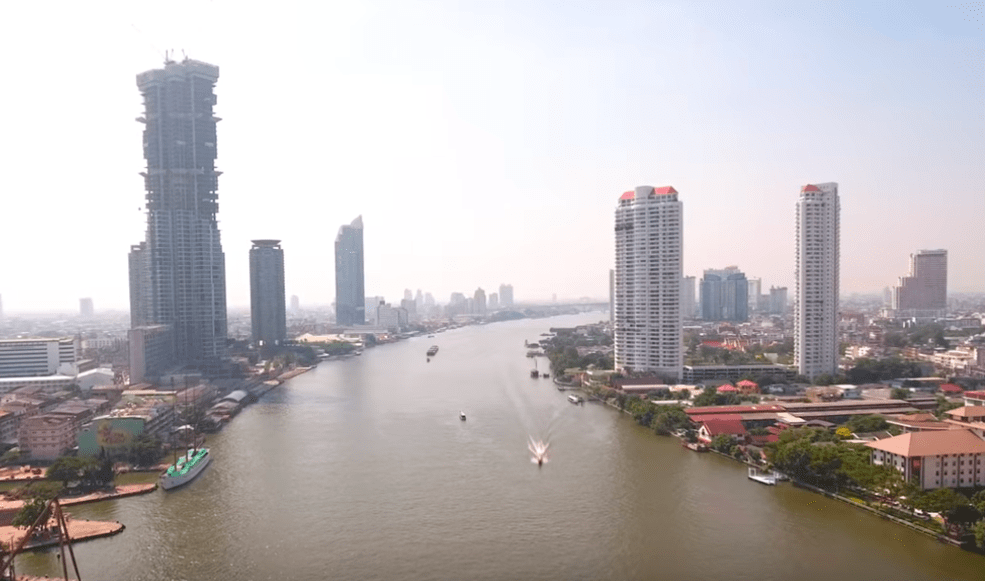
[{"x": 500, "y": 117}]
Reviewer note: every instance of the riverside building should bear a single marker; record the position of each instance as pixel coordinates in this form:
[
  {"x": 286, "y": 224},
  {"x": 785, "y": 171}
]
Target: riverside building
[
  {"x": 817, "y": 286},
  {"x": 178, "y": 274},
  {"x": 648, "y": 274},
  {"x": 268, "y": 308},
  {"x": 350, "y": 294}
]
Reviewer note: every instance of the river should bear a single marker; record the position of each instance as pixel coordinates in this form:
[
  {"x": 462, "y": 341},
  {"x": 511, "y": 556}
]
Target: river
[{"x": 361, "y": 469}]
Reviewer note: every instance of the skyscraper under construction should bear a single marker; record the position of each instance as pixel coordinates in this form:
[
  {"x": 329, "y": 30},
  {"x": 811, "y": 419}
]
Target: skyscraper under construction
[{"x": 177, "y": 275}]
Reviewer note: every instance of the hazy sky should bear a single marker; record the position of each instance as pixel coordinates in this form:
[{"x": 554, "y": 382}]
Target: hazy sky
[{"x": 487, "y": 142}]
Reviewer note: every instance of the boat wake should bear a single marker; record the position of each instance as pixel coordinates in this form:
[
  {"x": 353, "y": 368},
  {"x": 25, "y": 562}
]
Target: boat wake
[{"x": 539, "y": 450}]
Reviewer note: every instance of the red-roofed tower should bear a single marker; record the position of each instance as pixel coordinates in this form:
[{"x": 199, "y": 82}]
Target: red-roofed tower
[{"x": 648, "y": 274}]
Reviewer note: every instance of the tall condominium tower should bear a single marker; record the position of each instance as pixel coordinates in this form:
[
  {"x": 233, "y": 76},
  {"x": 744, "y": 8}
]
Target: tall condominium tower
[
  {"x": 506, "y": 295},
  {"x": 923, "y": 294},
  {"x": 268, "y": 308},
  {"x": 816, "y": 314},
  {"x": 178, "y": 274},
  {"x": 755, "y": 292},
  {"x": 350, "y": 293},
  {"x": 479, "y": 302},
  {"x": 688, "y": 303},
  {"x": 648, "y": 334},
  {"x": 724, "y": 295}
]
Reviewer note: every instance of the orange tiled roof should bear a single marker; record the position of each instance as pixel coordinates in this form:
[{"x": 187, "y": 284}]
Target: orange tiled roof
[
  {"x": 968, "y": 411},
  {"x": 916, "y": 444}
]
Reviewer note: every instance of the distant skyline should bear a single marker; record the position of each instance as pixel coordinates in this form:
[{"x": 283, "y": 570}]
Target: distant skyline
[{"x": 489, "y": 143}]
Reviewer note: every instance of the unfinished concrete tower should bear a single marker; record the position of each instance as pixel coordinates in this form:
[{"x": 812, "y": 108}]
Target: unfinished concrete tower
[{"x": 178, "y": 275}]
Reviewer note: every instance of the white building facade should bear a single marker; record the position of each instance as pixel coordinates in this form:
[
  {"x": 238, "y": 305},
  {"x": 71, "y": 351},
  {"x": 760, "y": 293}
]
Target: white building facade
[
  {"x": 38, "y": 357},
  {"x": 648, "y": 275},
  {"x": 817, "y": 276}
]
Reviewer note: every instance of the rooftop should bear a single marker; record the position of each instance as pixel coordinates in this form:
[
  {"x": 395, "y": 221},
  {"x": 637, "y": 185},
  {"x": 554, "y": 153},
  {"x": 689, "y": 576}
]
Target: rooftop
[
  {"x": 937, "y": 443},
  {"x": 968, "y": 412}
]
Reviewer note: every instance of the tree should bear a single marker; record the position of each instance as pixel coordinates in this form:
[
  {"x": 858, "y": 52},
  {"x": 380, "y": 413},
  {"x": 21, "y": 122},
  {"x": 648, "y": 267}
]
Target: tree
[
  {"x": 979, "y": 531},
  {"x": 30, "y": 512},
  {"x": 722, "y": 443},
  {"x": 843, "y": 433},
  {"x": 869, "y": 423},
  {"x": 10, "y": 456},
  {"x": 899, "y": 393},
  {"x": 68, "y": 469},
  {"x": 961, "y": 517}
]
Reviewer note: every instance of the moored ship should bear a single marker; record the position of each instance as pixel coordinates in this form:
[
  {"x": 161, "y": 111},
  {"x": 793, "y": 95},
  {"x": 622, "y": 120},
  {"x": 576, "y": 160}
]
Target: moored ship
[
  {"x": 185, "y": 468},
  {"x": 433, "y": 351}
]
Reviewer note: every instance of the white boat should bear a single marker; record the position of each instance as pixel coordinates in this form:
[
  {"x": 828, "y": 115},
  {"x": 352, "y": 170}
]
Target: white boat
[
  {"x": 462, "y": 416},
  {"x": 767, "y": 478},
  {"x": 186, "y": 468},
  {"x": 575, "y": 399}
]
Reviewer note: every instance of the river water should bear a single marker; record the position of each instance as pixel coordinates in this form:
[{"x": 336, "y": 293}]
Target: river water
[{"x": 361, "y": 469}]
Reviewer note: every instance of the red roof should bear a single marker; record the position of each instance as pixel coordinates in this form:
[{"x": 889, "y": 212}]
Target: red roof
[
  {"x": 712, "y": 343},
  {"x": 747, "y": 383},
  {"x": 727, "y": 388},
  {"x": 951, "y": 388},
  {"x": 628, "y": 195},
  {"x": 810, "y": 188},
  {"x": 975, "y": 394},
  {"x": 664, "y": 190},
  {"x": 719, "y": 417},
  {"x": 760, "y": 440},
  {"x": 729, "y": 427},
  {"x": 732, "y": 409}
]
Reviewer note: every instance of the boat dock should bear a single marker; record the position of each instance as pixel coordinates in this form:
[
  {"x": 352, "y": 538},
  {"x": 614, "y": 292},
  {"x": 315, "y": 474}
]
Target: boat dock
[{"x": 767, "y": 478}]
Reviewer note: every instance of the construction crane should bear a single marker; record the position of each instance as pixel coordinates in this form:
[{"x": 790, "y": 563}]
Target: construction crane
[{"x": 51, "y": 510}]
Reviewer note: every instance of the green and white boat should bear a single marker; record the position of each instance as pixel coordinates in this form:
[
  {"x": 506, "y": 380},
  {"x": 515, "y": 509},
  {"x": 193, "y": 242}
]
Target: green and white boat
[{"x": 185, "y": 468}]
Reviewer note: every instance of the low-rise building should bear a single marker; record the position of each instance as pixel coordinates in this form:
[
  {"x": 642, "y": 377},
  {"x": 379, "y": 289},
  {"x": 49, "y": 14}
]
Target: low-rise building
[
  {"x": 47, "y": 436},
  {"x": 701, "y": 373},
  {"x": 934, "y": 459}
]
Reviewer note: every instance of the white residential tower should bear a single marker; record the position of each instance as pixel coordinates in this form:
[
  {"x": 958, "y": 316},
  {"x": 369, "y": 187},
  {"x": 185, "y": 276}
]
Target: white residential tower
[
  {"x": 649, "y": 270},
  {"x": 818, "y": 255}
]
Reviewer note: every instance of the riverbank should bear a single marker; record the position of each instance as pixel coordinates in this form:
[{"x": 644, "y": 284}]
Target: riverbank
[
  {"x": 883, "y": 513},
  {"x": 78, "y": 530},
  {"x": 10, "y": 507}
]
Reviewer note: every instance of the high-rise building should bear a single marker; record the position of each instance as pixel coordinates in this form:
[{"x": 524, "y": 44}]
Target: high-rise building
[
  {"x": 818, "y": 255},
  {"x": 479, "y": 304},
  {"x": 724, "y": 295},
  {"x": 85, "y": 308},
  {"x": 648, "y": 333},
  {"x": 178, "y": 274},
  {"x": 268, "y": 313},
  {"x": 506, "y": 295},
  {"x": 778, "y": 300},
  {"x": 295, "y": 303},
  {"x": 493, "y": 301},
  {"x": 349, "y": 276},
  {"x": 755, "y": 290},
  {"x": 923, "y": 294},
  {"x": 688, "y": 305}
]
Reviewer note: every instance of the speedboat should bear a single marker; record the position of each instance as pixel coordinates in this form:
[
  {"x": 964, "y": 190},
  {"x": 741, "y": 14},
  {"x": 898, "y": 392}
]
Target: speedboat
[{"x": 461, "y": 416}]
